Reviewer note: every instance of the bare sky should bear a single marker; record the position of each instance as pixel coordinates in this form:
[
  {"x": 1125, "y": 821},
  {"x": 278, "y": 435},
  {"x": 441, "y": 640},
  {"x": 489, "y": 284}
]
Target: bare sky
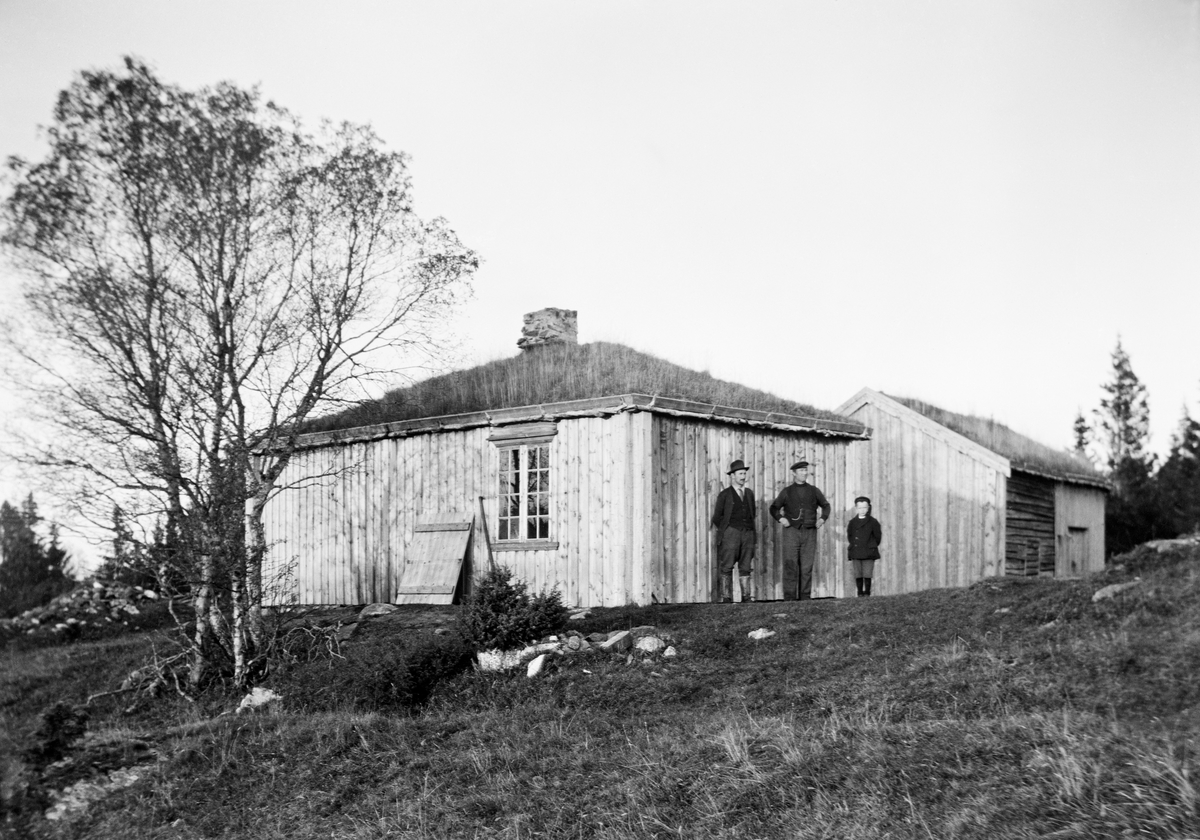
[{"x": 961, "y": 202}]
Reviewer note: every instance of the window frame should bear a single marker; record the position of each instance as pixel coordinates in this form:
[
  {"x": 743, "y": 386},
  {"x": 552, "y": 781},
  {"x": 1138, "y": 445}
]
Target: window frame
[{"x": 524, "y": 439}]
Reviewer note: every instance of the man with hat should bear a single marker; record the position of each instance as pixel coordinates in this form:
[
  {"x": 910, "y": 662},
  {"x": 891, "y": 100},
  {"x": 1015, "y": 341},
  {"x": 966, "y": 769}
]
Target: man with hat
[
  {"x": 734, "y": 521},
  {"x": 795, "y": 508}
]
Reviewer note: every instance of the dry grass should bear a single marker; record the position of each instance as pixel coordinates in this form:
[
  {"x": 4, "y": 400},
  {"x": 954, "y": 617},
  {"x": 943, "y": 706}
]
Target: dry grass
[
  {"x": 1020, "y": 450},
  {"x": 1015, "y": 708},
  {"x": 557, "y": 373}
]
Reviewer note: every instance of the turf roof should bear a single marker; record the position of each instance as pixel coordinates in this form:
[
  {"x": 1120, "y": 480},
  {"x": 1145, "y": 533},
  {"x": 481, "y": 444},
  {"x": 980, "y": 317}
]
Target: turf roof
[
  {"x": 1023, "y": 452},
  {"x": 557, "y": 373}
]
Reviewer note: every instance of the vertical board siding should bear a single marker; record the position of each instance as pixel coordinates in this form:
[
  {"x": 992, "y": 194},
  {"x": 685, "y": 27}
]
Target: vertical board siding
[
  {"x": 941, "y": 509},
  {"x": 1079, "y": 507},
  {"x": 691, "y": 458},
  {"x": 347, "y": 513}
]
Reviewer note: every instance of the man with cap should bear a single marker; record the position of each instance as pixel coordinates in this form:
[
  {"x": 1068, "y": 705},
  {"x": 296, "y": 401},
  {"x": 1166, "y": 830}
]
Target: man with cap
[
  {"x": 734, "y": 521},
  {"x": 795, "y": 508}
]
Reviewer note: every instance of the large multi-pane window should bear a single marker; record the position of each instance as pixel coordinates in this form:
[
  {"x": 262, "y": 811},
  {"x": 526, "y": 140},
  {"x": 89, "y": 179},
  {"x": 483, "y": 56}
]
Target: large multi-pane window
[{"x": 524, "y": 492}]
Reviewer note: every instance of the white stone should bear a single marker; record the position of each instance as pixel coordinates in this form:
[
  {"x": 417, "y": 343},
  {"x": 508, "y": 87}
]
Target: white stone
[
  {"x": 536, "y": 665},
  {"x": 650, "y": 644},
  {"x": 1114, "y": 589},
  {"x": 670, "y": 651},
  {"x": 761, "y": 633},
  {"x": 257, "y": 699}
]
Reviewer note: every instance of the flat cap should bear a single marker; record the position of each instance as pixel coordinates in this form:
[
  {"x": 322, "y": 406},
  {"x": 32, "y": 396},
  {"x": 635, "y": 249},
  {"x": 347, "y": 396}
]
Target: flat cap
[{"x": 799, "y": 465}]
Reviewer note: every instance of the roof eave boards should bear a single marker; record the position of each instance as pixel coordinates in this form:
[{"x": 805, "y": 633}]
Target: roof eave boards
[{"x": 594, "y": 407}]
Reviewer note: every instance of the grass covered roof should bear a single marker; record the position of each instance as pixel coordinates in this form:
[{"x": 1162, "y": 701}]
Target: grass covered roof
[
  {"x": 1023, "y": 452},
  {"x": 558, "y": 373}
]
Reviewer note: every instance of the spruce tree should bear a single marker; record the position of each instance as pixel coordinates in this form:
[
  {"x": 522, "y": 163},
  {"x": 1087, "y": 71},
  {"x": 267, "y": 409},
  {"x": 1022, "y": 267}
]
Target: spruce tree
[
  {"x": 1178, "y": 480},
  {"x": 1123, "y": 425},
  {"x": 31, "y": 573}
]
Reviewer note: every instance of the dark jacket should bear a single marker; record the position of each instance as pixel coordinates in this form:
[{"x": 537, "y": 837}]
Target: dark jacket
[
  {"x": 799, "y": 503},
  {"x": 864, "y": 535},
  {"x": 734, "y": 511}
]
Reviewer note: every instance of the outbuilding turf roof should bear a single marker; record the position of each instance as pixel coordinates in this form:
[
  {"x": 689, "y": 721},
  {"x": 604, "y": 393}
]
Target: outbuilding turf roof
[{"x": 1023, "y": 453}]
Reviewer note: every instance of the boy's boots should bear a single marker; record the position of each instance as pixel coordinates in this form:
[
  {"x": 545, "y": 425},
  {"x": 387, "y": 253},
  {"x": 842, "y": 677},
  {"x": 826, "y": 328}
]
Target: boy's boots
[
  {"x": 866, "y": 586},
  {"x": 726, "y": 589},
  {"x": 744, "y": 582},
  {"x": 858, "y": 584}
]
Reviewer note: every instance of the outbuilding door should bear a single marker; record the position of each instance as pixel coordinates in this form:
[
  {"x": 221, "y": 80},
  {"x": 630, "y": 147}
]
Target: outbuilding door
[{"x": 1073, "y": 560}]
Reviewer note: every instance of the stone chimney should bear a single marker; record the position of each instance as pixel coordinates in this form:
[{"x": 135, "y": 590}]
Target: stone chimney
[{"x": 549, "y": 326}]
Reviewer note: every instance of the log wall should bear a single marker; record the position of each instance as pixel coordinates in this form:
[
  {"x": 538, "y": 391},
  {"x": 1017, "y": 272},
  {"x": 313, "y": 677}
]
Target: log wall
[{"x": 1031, "y": 527}]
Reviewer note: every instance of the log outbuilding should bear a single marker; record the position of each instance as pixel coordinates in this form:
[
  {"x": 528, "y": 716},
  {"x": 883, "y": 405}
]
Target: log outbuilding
[
  {"x": 962, "y": 498},
  {"x": 589, "y": 468}
]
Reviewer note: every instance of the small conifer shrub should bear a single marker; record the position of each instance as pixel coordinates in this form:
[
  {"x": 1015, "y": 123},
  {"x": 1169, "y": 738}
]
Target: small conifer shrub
[{"x": 501, "y": 614}]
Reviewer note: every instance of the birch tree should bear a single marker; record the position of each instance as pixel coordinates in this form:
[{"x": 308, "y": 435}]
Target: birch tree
[{"x": 202, "y": 275}]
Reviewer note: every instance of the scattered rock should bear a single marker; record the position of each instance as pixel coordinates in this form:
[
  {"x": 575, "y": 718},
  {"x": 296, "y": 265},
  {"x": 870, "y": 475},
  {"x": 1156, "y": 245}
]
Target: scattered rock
[
  {"x": 670, "y": 651},
  {"x": 1114, "y": 589},
  {"x": 536, "y": 665},
  {"x": 346, "y": 631},
  {"x": 579, "y": 616},
  {"x": 650, "y": 644},
  {"x": 376, "y": 609},
  {"x": 619, "y": 641},
  {"x": 1162, "y": 546},
  {"x": 258, "y": 698},
  {"x": 74, "y": 800},
  {"x": 92, "y": 602},
  {"x": 761, "y": 633}
]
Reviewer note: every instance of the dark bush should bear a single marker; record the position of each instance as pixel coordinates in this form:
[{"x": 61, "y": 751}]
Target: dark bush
[
  {"x": 502, "y": 614},
  {"x": 375, "y": 674},
  {"x": 61, "y": 725}
]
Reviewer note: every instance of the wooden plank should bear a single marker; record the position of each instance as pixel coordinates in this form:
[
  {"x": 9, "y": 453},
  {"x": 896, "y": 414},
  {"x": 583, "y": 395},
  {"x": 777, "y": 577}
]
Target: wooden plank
[
  {"x": 596, "y": 513},
  {"x": 615, "y": 510},
  {"x": 464, "y": 525},
  {"x": 433, "y": 565},
  {"x": 638, "y": 467}
]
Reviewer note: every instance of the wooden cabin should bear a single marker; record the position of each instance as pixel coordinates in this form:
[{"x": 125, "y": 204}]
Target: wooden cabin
[
  {"x": 962, "y": 498},
  {"x": 606, "y": 497}
]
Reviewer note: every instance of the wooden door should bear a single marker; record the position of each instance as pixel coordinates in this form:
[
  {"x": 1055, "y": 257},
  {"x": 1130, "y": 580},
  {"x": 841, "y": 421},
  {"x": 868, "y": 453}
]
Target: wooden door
[{"x": 1075, "y": 561}]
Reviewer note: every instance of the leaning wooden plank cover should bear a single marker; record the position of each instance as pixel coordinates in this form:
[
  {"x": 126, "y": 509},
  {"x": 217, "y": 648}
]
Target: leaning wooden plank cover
[{"x": 433, "y": 563}]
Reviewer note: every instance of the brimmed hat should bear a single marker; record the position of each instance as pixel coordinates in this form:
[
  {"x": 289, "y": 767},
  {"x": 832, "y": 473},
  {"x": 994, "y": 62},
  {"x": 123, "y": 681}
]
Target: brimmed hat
[
  {"x": 862, "y": 499},
  {"x": 735, "y": 466},
  {"x": 799, "y": 465}
]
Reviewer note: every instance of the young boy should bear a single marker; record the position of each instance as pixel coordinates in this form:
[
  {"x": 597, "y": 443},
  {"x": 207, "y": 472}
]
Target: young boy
[{"x": 864, "y": 535}]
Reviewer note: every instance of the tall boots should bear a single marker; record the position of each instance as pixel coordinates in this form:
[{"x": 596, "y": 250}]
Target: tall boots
[
  {"x": 744, "y": 582},
  {"x": 864, "y": 587},
  {"x": 727, "y": 588}
]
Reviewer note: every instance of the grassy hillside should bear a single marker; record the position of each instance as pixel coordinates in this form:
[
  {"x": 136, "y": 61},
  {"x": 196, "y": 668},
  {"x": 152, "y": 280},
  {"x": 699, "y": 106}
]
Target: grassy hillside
[{"x": 1015, "y": 708}]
